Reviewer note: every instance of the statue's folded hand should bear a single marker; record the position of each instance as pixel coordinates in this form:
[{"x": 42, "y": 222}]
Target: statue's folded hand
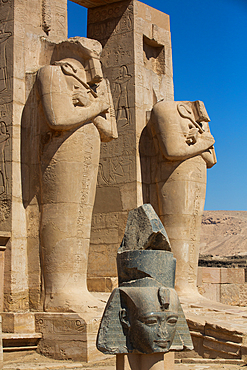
[
  {"x": 80, "y": 98},
  {"x": 192, "y": 136}
]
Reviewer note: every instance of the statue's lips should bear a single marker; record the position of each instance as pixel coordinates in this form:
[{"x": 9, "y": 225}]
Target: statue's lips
[{"x": 162, "y": 343}]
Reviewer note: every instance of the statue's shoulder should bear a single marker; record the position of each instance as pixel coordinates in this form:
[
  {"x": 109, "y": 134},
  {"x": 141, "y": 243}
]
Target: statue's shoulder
[
  {"x": 48, "y": 78},
  {"x": 164, "y": 109},
  {"x": 48, "y": 71}
]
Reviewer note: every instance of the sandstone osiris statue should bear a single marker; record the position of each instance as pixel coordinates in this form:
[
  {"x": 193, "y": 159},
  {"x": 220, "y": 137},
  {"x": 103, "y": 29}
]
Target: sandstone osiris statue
[
  {"x": 185, "y": 150},
  {"x": 78, "y": 113}
]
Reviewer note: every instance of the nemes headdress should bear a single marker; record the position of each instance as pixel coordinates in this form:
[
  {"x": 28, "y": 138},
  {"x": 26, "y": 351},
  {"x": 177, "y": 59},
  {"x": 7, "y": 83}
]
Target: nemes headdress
[{"x": 86, "y": 51}]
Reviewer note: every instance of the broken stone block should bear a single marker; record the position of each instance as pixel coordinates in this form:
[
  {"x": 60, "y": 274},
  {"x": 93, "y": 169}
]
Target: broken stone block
[{"x": 144, "y": 230}]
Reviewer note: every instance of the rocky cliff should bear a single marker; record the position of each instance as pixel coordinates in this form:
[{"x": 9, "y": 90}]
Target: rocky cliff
[{"x": 224, "y": 233}]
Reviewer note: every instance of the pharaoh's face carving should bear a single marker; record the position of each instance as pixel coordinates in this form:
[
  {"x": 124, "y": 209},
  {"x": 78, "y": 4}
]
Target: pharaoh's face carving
[{"x": 151, "y": 318}]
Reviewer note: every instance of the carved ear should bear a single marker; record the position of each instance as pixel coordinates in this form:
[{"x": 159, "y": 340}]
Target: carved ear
[
  {"x": 124, "y": 318},
  {"x": 184, "y": 110}
]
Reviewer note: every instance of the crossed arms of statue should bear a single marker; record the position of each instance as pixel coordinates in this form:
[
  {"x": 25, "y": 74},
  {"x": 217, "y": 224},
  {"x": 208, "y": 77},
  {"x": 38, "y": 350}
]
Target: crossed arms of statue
[
  {"x": 69, "y": 102},
  {"x": 182, "y": 131}
]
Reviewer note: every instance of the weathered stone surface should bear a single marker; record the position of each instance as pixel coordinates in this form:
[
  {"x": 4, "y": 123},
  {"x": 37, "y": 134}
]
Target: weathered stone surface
[
  {"x": 217, "y": 330},
  {"x": 144, "y": 230},
  {"x": 210, "y": 275},
  {"x": 102, "y": 284},
  {"x": 210, "y": 291},
  {"x": 136, "y": 265},
  {"x": 60, "y": 330},
  {"x": 230, "y": 294},
  {"x": 225, "y": 285},
  {"x": 14, "y": 322}
]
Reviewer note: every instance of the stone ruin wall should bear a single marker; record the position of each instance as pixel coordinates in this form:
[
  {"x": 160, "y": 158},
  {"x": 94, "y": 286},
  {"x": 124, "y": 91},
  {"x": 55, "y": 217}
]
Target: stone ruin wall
[
  {"x": 22, "y": 26},
  {"x": 137, "y": 59}
]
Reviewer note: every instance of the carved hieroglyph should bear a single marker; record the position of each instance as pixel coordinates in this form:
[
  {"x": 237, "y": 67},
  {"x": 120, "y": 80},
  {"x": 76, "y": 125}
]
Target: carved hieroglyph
[
  {"x": 78, "y": 114},
  {"x": 185, "y": 146}
]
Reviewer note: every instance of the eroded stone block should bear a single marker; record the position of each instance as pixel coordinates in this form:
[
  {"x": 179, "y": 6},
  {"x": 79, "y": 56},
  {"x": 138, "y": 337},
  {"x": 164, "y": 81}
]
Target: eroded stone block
[
  {"x": 211, "y": 275},
  {"x": 60, "y": 330},
  {"x": 232, "y": 276},
  {"x": 144, "y": 230}
]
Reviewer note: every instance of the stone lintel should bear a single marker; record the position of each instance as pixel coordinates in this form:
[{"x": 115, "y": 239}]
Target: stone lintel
[{"x": 94, "y": 3}]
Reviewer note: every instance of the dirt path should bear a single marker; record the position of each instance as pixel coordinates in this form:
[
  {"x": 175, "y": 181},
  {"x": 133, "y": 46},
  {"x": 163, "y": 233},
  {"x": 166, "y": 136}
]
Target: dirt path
[{"x": 33, "y": 361}]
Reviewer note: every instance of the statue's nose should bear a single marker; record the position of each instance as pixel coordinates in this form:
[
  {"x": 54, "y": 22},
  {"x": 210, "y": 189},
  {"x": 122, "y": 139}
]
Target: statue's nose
[{"x": 162, "y": 331}]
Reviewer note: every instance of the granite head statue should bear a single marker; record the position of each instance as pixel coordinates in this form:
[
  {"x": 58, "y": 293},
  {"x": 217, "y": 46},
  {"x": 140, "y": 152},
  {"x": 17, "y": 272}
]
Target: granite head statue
[{"x": 143, "y": 315}]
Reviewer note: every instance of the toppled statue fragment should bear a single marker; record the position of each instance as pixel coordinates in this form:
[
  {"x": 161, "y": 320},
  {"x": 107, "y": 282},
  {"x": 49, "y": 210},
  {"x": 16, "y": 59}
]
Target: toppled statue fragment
[
  {"x": 144, "y": 315},
  {"x": 144, "y": 230}
]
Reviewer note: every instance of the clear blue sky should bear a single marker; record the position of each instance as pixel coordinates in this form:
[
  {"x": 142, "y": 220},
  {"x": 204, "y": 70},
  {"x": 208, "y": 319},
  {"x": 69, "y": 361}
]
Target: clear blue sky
[{"x": 209, "y": 43}]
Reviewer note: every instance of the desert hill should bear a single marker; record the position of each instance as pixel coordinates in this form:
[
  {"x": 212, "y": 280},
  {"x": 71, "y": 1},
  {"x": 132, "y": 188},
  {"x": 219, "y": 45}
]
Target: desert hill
[{"x": 224, "y": 233}]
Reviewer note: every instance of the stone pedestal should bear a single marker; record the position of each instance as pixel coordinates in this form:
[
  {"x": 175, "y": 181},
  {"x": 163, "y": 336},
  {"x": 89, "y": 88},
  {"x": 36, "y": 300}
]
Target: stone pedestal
[
  {"x": 69, "y": 336},
  {"x": 1, "y": 345},
  {"x": 137, "y": 61},
  {"x": 155, "y": 361},
  {"x": 4, "y": 238},
  {"x": 14, "y": 322}
]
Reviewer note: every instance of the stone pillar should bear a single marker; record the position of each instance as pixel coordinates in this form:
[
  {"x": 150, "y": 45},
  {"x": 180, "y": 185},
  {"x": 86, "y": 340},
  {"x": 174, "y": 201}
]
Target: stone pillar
[
  {"x": 155, "y": 361},
  {"x": 1, "y": 345},
  {"x": 137, "y": 60},
  {"x": 22, "y": 25},
  {"x": 4, "y": 238}
]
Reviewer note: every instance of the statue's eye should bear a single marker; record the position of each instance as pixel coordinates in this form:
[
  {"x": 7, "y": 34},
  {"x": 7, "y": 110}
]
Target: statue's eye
[
  {"x": 172, "y": 320},
  {"x": 150, "y": 321}
]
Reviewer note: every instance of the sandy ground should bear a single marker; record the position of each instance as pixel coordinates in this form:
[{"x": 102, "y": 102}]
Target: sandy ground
[{"x": 33, "y": 361}]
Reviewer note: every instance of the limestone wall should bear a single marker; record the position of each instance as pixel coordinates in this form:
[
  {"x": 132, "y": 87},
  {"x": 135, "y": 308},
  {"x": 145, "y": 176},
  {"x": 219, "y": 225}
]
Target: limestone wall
[
  {"x": 225, "y": 285},
  {"x": 22, "y": 25}
]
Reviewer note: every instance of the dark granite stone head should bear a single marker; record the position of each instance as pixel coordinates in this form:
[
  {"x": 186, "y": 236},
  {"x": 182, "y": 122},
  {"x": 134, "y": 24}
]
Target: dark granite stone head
[{"x": 149, "y": 316}]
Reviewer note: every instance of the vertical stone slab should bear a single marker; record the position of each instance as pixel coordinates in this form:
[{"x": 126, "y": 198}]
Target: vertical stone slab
[
  {"x": 1, "y": 345},
  {"x": 22, "y": 24},
  {"x": 157, "y": 361},
  {"x": 137, "y": 61},
  {"x": 4, "y": 239}
]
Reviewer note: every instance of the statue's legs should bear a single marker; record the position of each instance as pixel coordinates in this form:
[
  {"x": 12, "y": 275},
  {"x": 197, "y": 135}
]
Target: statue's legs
[
  {"x": 181, "y": 204},
  {"x": 68, "y": 192}
]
